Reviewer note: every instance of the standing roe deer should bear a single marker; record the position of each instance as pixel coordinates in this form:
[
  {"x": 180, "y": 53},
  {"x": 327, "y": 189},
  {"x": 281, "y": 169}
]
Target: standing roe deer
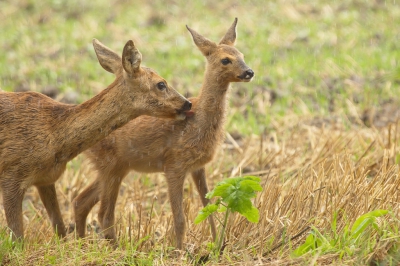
[
  {"x": 38, "y": 135},
  {"x": 149, "y": 144}
]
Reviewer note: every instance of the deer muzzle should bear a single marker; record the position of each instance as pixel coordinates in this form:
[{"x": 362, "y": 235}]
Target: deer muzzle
[
  {"x": 181, "y": 113},
  {"x": 247, "y": 75}
]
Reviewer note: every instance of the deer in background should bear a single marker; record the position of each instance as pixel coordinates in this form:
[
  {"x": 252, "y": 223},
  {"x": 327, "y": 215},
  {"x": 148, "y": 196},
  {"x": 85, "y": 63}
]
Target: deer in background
[
  {"x": 38, "y": 135},
  {"x": 149, "y": 144}
]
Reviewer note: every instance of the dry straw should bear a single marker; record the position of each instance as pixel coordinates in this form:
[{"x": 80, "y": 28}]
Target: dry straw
[{"x": 308, "y": 173}]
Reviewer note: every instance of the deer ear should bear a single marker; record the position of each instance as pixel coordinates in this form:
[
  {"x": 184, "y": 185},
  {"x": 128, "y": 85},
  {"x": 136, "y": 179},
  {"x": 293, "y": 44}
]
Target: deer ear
[
  {"x": 131, "y": 58},
  {"x": 230, "y": 36},
  {"x": 206, "y": 46},
  {"x": 108, "y": 59}
]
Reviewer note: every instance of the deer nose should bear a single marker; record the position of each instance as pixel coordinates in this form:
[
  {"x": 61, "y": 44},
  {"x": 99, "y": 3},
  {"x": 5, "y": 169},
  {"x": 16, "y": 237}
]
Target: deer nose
[
  {"x": 249, "y": 73},
  {"x": 187, "y": 106}
]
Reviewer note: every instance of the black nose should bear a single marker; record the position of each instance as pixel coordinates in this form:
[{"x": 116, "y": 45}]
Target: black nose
[
  {"x": 187, "y": 106},
  {"x": 249, "y": 73}
]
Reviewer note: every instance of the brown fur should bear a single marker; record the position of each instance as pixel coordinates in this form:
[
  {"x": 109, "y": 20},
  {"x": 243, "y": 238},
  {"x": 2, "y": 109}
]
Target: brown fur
[
  {"x": 176, "y": 148},
  {"x": 38, "y": 135}
]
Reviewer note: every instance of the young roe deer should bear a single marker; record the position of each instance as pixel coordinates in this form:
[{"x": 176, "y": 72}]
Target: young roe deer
[
  {"x": 176, "y": 148},
  {"x": 38, "y": 135}
]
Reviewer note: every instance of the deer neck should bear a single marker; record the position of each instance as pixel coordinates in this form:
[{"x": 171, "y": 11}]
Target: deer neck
[
  {"x": 93, "y": 120},
  {"x": 212, "y": 100}
]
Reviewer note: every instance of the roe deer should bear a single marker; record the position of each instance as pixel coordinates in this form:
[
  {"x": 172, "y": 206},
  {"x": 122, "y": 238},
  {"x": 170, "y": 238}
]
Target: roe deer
[
  {"x": 149, "y": 144},
  {"x": 38, "y": 135}
]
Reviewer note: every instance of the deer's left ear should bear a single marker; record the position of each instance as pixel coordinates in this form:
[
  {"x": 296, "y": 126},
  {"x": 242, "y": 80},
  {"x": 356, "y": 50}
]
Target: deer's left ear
[
  {"x": 108, "y": 59},
  {"x": 230, "y": 36}
]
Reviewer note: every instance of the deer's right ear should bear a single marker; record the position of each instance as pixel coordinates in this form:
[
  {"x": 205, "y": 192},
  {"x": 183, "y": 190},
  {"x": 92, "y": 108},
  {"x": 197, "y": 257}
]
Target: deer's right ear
[
  {"x": 230, "y": 36},
  {"x": 205, "y": 45},
  {"x": 131, "y": 58},
  {"x": 108, "y": 59}
]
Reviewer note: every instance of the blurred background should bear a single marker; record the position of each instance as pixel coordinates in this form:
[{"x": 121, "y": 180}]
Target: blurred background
[{"x": 320, "y": 59}]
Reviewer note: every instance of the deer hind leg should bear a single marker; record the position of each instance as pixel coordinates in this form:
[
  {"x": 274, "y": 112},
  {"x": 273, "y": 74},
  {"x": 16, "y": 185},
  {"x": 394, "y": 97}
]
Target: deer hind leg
[
  {"x": 12, "y": 202},
  {"x": 108, "y": 199},
  {"x": 48, "y": 196},
  {"x": 175, "y": 193},
  {"x": 83, "y": 203},
  {"x": 199, "y": 178}
]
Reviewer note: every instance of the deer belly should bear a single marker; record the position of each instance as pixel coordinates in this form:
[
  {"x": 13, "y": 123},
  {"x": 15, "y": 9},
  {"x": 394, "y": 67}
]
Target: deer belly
[
  {"x": 147, "y": 166},
  {"x": 50, "y": 175}
]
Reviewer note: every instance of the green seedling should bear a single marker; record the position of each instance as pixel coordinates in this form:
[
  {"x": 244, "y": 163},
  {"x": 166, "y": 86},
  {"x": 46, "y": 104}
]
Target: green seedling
[
  {"x": 344, "y": 243},
  {"x": 233, "y": 195}
]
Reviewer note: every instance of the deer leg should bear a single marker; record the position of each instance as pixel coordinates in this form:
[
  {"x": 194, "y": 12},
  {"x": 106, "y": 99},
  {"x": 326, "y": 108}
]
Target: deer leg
[
  {"x": 48, "y": 196},
  {"x": 12, "y": 201},
  {"x": 199, "y": 178},
  {"x": 175, "y": 193},
  {"x": 83, "y": 203},
  {"x": 108, "y": 199}
]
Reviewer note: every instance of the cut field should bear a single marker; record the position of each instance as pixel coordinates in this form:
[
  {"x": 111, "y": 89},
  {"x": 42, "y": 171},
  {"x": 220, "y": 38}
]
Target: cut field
[{"x": 318, "y": 124}]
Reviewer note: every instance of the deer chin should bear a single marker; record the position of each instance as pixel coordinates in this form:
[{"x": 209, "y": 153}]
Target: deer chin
[
  {"x": 180, "y": 116},
  {"x": 245, "y": 79}
]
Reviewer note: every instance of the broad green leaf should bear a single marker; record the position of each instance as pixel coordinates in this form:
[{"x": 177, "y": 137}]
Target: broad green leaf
[
  {"x": 205, "y": 212},
  {"x": 364, "y": 221},
  {"x": 221, "y": 209},
  {"x": 314, "y": 241},
  {"x": 236, "y": 193},
  {"x": 250, "y": 185},
  {"x": 239, "y": 203},
  {"x": 377, "y": 213},
  {"x": 253, "y": 178},
  {"x": 252, "y": 215},
  {"x": 309, "y": 244},
  {"x": 361, "y": 226},
  {"x": 222, "y": 189}
]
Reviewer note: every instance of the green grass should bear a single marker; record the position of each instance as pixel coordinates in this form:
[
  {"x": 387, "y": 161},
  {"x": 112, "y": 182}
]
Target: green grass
[{"x": 316, "y": 52}]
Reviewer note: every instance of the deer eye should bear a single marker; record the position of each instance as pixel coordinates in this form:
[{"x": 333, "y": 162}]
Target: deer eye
[
  {"x": 161, "y": 86},
  {"x": 226, "y": 61}
]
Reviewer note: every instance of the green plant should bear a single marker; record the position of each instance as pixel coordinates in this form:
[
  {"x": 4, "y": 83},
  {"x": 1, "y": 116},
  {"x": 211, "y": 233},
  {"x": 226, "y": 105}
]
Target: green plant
[
  {"x": 234, "y": 195},
  {"x": 346, "y": 242},
  {"x": 7, "y": 245}
]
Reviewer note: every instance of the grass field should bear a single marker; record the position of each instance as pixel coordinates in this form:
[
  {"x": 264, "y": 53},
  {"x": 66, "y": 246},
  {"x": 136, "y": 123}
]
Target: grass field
[{"x": 318, "y": 124}]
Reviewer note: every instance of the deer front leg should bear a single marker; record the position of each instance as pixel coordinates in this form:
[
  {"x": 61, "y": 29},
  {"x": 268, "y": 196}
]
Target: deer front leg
[
  {"x": 108, "y": 199},
  {"x": 82, "y": 204},
  {"x": 175, "y": 193},
  {"x": 199, "y": 178},
  {"x": 12, "y": 202},
  {"x": 48, "y": 196}
]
